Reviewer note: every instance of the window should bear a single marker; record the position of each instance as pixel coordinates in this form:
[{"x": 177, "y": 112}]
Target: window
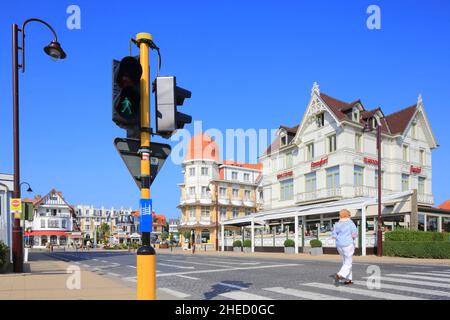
[
  {"x": 53, "y": 212},
  {"x": 283, "y": 140},
  {"x": 421, "y": 186},
  {"x": 405, "y": 152},
  {"x": 63, "y": 224},
  {"x": 422, "y": 157},
  {"x": 222, "y": 191},
  {"x": 274, "y": 164},
  {"x": 358, "y": 142},
  {"x": 247, "y": 194},
  {"x": 191, "y": 212},
  {"x": 223, "y": 213},
  {"x": 288, "y": 160},
  {"x": 204, "y": 171},
  {"x": 205, "y": 212},
  {"x": 311, "y": 182},
  {"x": 309, "y": 151},
  {"x": 405, "y": 182},
  {"x": 234, "y": 175},
  {"x": 246, "y": 177},
  {"x": 42, "y": 223},
  {"x": 331, "y": 143},
  {"x": 191, "y": 172},
  {"x": 374, "y": 122},
  {"x": 287, "y": 189},
  {"x": 53, "y": 223},
  {"x": 355, "y": 115},
  {"x": 376, "y": 178},
  {"x": 333, "y": 178},
  {"x": 414, "y": 131},
  {"x": 204, "y": 191},
  {"x": 235, "y": 212},
  {"x": 358, "y": 176},
  {"x": 235, "y": 193},
  {"x": 248, "y": 211},
  {"x": 320, "y": 120},
  {"x": 192, "y": 191}
]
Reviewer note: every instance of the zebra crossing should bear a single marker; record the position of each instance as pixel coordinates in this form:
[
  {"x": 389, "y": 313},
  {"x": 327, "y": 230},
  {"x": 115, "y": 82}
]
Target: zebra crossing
[{"x": 431, "y": 285}]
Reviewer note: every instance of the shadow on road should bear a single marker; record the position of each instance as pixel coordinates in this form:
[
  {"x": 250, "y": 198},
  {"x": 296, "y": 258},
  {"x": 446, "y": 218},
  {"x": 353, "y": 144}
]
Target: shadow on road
[{"x": 218, "y": 289}]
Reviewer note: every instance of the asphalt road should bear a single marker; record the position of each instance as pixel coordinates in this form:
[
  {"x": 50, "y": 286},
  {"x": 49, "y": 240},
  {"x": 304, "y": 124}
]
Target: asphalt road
[{"x": 246, "y": 278}]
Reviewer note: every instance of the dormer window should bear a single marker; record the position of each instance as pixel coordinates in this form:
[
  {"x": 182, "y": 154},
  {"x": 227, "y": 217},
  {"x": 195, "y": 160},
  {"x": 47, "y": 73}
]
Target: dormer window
[
  {"x": 320, "y": 119},
  {"x": 283, "y": 139},
  {"x": 374, "y": 122},
  {"x": 355, "y": 115}
]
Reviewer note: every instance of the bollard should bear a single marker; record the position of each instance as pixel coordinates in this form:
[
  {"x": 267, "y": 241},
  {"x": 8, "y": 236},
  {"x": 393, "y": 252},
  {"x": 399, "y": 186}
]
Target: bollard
[{"x": 146, "y": 271}]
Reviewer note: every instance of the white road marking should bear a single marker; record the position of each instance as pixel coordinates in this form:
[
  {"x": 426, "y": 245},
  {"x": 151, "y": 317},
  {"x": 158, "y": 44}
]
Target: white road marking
[
  {"x": 369, "y": 293},
  {"x": 104, "y": 261},
  {"x": 132, "y": 267},
  {"x": 304, "y": 294},
  {"x": 132, "y": 279},
  {"x": 187, "y": 277},
  {"x": 175, "y": 293},
  {"x": 229, "y": 269},
  {"x": 113, "y": 274},
  {"x": 86, "y": 265},
  {"x": 231, "y": 260},
  {"x": 239, "y": 295},
  {"x": 95, "y": 259},
  {"x": 418, "y": 282},
  {"x": 238, "y": 263},
  {"x": 440, "y": 272},
  {"x": 199, "y": 263},
  {"x": 174, "y": 266},
  {"x": 417, "y": 277},
  {"x": 444, "y": 275},
  {"x": 407, "y": 289},
  {"x": 232, "y": 286}
]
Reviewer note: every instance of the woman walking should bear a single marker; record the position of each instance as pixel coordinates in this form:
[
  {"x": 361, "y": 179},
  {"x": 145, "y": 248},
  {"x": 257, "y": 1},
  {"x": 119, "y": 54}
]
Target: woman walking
[{"x": 345, "y": 232}]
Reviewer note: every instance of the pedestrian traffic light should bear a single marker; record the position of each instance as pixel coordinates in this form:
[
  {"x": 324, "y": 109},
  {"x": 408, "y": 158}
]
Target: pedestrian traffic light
[
  {"x": 167, "y": 97},
  {"x": 126, "y": 92}
]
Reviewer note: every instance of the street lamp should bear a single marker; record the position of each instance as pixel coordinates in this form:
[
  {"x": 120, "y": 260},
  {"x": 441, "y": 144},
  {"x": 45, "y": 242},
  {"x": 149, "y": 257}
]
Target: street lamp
[
  {"x": 29, "y": 187},
  {"x": 55, "y": 51},
  {"x": 368, "y": 127},
  {"x": 216, "y": 204}
]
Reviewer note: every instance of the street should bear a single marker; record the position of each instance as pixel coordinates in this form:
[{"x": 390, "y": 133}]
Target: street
[{"x": 206, "y": 277}]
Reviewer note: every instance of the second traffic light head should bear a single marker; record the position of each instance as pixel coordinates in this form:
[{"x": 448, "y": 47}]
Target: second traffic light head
[{"x": 126, "y": 92}]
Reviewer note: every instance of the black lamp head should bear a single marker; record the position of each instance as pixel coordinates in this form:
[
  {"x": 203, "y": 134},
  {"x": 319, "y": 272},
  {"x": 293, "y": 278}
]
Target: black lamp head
[
  {"x": 55, "y": 51},
  {"x": 29, "y": 189}
]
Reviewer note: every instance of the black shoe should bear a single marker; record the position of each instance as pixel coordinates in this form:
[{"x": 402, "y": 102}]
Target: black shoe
[
  {"x": 337, "y": 277},
  {"x": 348, "y": 282}
]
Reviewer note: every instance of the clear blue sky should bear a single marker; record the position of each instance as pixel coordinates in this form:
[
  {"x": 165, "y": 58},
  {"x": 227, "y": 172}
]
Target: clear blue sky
[{"x": 249, "y": 64}]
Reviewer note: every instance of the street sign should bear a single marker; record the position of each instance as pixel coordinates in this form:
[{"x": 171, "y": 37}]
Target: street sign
[
  {"x": 128, "y": 150},
  {"x": 145, "y": 208},
  {"x": 15, "y": 206}
]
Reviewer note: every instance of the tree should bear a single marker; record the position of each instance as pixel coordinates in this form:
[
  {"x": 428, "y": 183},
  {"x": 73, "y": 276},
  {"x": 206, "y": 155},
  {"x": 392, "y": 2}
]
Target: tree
[
  {"x": 104, "y": 232},
  {"x": 164, "y": 235}
]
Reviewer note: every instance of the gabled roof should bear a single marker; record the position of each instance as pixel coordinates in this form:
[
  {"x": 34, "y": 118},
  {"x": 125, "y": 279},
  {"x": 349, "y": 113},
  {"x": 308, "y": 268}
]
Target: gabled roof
[
  {"x": 39, "y": 201},
  {"x": 445, "y": 205},
  {"x": 398, "y": 121}
]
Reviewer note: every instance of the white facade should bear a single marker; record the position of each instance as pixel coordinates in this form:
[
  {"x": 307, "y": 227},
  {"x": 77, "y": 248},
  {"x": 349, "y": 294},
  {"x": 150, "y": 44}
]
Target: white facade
[
  {"x": 333, "y": 159},
  {"x": 6, "y": 188}
]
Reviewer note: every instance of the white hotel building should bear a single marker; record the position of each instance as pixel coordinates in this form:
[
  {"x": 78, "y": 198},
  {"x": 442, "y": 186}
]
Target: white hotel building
[{"x": 327, "y": 163}]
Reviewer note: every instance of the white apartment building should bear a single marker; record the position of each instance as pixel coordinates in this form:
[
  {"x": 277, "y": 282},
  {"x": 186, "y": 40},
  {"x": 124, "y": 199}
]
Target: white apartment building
[
  {"x": 327, "y": 162},
  {"x": 53, "y": 221}
]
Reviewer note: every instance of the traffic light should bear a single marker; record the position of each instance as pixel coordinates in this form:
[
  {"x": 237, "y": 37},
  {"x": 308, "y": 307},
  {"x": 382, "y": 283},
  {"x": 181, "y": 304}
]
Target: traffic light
[
  {"x": 126, "y": 112},
  {"x": 167, "y": 97}
]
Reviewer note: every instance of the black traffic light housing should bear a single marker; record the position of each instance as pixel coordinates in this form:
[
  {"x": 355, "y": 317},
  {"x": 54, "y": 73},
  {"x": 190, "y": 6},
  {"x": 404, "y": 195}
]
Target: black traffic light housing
[
  {"x": 126, "y": 111},
  {"x": 167, "y": 97}
]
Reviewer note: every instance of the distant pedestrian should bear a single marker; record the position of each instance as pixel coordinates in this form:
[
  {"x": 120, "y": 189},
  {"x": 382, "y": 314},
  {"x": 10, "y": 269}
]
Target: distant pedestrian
[{"x": 345, "y": 232}]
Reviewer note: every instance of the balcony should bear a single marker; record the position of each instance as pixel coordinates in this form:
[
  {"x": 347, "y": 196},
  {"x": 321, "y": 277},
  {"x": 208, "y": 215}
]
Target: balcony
[
  {"x": 188, "y": 199},
  {"x": 236, "y": 202},
  {"x": 364, "y": 191},
  {"x": 223, "y": 200},
  {"x": 425, "y": 199},
  {"x": 205, "y": 199},
  {"x": 319, "y": 194},
  {"x": 249, "y": 203},
  {"x": 205, "y": 220}
]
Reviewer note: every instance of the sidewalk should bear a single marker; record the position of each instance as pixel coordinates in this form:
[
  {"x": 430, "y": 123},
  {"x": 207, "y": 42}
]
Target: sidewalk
[
  {"x": 45, "y": 279},
  {"x": 302, "y": 256}
]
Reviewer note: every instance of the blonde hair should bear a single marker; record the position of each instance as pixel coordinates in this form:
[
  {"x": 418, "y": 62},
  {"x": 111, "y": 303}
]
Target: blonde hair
[{"x": 344, "y": 213}]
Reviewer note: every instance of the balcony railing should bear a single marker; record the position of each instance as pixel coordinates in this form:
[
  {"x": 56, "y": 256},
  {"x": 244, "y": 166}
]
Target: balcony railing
[
  {"x": 236, "y": 201},
  {"x": 319, "y": 194},
  {"x": 425, "y": 199}
]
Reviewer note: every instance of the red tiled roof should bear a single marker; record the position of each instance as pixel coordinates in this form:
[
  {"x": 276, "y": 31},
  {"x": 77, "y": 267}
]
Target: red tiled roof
[
  {"x": 257, "y": 166},
  {"x": 398, "y": 121},
  {"x": 445, "y": 205}
]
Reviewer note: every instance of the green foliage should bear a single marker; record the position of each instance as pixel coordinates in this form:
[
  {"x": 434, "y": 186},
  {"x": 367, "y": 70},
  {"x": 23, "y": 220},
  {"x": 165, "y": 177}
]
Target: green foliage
[
  {"x": 289, "y": 243},
  {"x": 417, "y": 249},
  {"x": 187, "y": 235},
  {"x": 411, "y": 235},
  {"x": 134, "y": 245},
  {"x": 3, "y": 253},
  {"x": 164, "y": 235},
  {"x": 247, "y": 243},
  {"x": 237, "y": 243},
  {"x": 315, "y": 243}
]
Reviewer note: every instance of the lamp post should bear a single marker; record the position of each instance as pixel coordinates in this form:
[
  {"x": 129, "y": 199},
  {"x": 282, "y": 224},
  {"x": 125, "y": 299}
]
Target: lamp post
[
  {"x": 55, "y": 51},
  {"x": 216, "y": 205},
  {"x": 368, "y": 128},
  {"x": 29, "y": 187}
]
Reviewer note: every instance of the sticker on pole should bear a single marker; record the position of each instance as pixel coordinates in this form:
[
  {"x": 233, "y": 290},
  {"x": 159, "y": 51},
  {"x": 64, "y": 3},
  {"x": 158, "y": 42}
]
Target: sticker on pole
[
  {"x": 145, "y": 209},
  {"x": 15, "y": 206}
]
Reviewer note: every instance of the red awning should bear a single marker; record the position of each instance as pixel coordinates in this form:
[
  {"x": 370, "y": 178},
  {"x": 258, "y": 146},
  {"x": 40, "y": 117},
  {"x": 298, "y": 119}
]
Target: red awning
[{"x": 46, "y": 233}]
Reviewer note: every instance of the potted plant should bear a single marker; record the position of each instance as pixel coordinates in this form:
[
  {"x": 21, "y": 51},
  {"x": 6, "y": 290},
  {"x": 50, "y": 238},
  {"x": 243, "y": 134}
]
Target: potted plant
[
  {"x": 237, "y": 246},
  {"x": 289, "y": 246},
  {"x": 247, "y": 246},
  {"x": 316, "y": 247}
]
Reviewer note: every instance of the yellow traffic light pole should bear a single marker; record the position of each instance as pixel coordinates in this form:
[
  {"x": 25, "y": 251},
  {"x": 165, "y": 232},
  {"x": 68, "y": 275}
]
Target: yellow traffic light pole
[{"x": 146, "y": 258}]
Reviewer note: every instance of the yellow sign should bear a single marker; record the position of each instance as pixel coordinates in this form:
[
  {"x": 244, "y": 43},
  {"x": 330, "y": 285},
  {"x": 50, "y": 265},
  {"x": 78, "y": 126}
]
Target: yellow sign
[{"x": 15, "y": 204}]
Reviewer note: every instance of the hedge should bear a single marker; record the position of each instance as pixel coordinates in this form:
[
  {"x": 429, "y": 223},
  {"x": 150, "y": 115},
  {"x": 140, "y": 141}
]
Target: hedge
[
  {"x": 315, "y": 243},
  {"x": 247, "y": 243},
  {"x": 410, "y": 235},
  {"x": 237, "y": 243},
  {"x": 3, "y": 253},
  {"x": 417, "y": 249},
  {"x": 288, "y": 243}
]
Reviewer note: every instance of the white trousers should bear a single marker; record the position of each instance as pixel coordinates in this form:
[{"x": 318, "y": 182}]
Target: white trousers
[{"x": 346, "y": 254}]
